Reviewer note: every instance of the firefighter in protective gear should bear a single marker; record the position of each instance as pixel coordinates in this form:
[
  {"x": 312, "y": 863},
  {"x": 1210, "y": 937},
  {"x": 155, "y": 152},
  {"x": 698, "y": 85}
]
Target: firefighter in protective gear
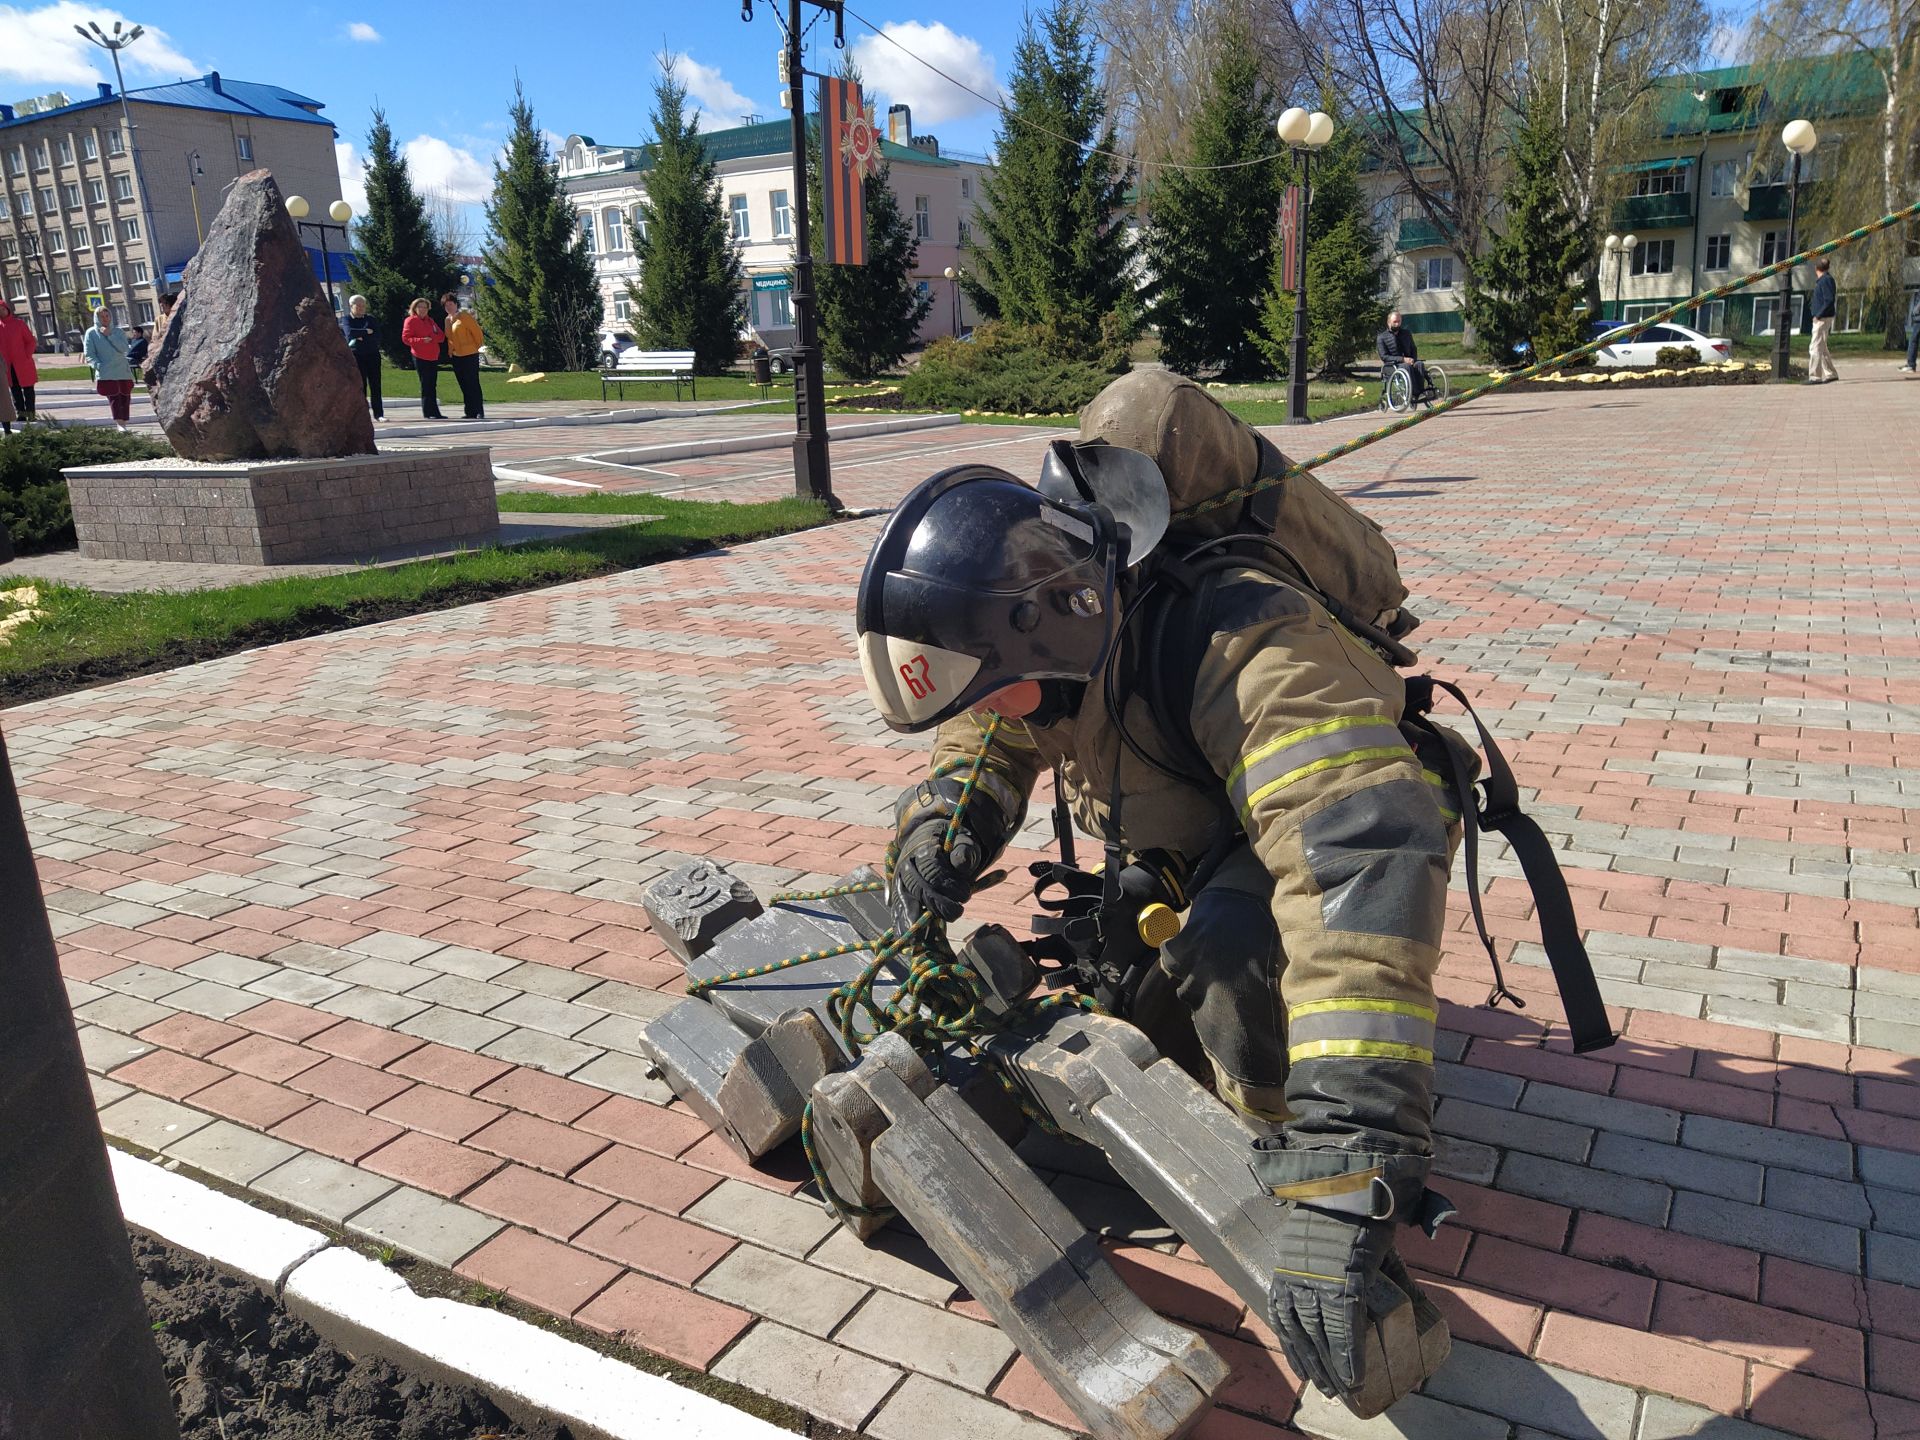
[{"x": 1307, "y": 957}]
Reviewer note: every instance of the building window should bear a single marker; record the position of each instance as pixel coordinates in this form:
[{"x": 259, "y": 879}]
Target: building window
[
  {"x": 111, "y": 275},
  {"x": 81, "y": 240},
  {"x": 103, "y": 235},
  {"x": 244, "y": 144},
  {"x": 586, "y": 231},
  {"x": 1724, "y": 175},
  {"x": 6, "y": 207},
  {"x": 780, "y": 306},
  {"x": 70, "y": 192},
  {"x": 89, "y": 147},
  {"x": 782, "y": 216},
  {"x": 966, "y": 187},
  {"x": 1653, "y": 257},
  {"x": 23, "y": 202},
  {"x": 56, "y": 241},
  {"x": 1719, "y": 252},
  {"x": 116, "y": 143},
  {"x": 65, "y": 282},
  {"x": 622, "y": 308},
  {"x": 42, "y": 156},
  {"x": 66, "y": 151},
  {"x": 96, "y": 192},
  {"x": 143, "y": 312},
  {"x": 1711, "y": 318},
  {"x": 1773, "y": 247},
  {"x": 1850, "y": 312},
  {"x": 90, "y": 277},
  {"x": 47, "y": 206},
  {"x": 1763, "y": 308},
  {"x": 966, "y": 233},
  {"x": 1433, "y": 273},
  {"x": 10, "y": 249},
  {"x": 616, "y": 223},
  {"x": 639, "y": 227},
  {"x": 123, "y": 187},
  {"x": 742, "y": 220},
  {"x": 17, "y": 160},
  {"x": 137, "y": 273},
  {"x": 922, "y": 218},
  {"x": 130, "y": 228},
  {"x": 30, "y": 243},
  {"x": 1664, "y": 182}
]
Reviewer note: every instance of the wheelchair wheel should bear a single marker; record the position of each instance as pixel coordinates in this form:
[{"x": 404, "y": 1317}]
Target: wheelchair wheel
[
  {"x": 1438, "y": 387},
  {"x": 1398, "y": 393}
]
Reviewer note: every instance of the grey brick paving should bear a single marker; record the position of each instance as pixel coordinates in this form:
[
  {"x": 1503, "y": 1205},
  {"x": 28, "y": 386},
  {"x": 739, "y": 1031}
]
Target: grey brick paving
[
  {"x": 425, "y": 1225},
  {"x": 232, "y": 1152},
  {"x": 1584, "y": 1189},
  {"x": 1811, "y": 1153},
  {"x": 1679, "y": 1167},
  {"x": 782, "y": 1289},
  {"x": 323, "y": 1186},
  {"x": 150, "y": 1121},
  {"x": 1417, "y": 1417},
  {"x": 1662, "y": 1418},
  {"x": 1797, "y": 1237},
  {"x": 1558, "y": 1401},
  {"x": 778, "y": 1222},
  {"x": 960, "y": 1416},
  {"x": 934, "y": 1342},
  {"x": 893, "y": 1260},
  {"x": 835, "y": 1384}
]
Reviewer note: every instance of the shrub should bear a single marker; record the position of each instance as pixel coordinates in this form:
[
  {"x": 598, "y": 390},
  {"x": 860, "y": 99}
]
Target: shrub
[
  {"x": 1674, "y": 356},
  {"x": 33, "y": 497},
  {"x": 1002, "y": 368}
]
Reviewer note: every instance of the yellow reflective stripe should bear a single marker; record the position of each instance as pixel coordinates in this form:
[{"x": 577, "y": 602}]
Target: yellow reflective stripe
[
  {"x": 1332, "y": 762},
  {"x": 1388, "y": 1007},
  {"x": 1364, "y": 1049},
  {"x": 1447, "y": 806},
  {"x": 1294, "y": 737}
]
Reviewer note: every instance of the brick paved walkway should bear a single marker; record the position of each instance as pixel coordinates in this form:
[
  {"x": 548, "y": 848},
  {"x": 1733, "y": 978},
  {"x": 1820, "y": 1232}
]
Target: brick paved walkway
[{"x": 352, "y": 922}]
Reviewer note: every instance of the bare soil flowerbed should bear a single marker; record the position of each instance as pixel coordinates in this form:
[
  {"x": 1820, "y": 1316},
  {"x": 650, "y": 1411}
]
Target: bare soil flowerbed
[{"x": 242, "y": 1368}]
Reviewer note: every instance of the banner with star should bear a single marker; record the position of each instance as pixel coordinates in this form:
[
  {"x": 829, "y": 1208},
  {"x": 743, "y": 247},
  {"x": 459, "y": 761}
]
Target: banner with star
[{"x": 850, "y": 151}]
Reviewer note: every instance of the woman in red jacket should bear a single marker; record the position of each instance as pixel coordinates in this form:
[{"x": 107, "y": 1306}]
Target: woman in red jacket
[
  {"x": 421, "y": 335},
  {"x": 16, "y": 347}
]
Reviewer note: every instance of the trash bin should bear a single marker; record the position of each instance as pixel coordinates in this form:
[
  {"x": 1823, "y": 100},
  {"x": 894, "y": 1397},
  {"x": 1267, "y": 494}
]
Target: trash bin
[{"x": 762, "y": 366}]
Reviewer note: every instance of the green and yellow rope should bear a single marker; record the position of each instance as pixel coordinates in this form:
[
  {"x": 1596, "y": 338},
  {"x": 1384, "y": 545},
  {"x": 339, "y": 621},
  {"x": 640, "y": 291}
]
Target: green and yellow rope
[{"x": 1558, "y": 362}]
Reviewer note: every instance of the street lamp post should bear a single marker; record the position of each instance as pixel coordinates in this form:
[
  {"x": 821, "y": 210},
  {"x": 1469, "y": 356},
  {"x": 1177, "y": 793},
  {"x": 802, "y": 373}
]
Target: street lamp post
[
  {"x": 113, "y": 44},
  {"x": 341, "y": 212},
  {"x": 953, "y": 275},
  {"x": 194, "y": 172},
  {"x": 1799, "y": 137},
  {"x": 1613, "y": 258},
  {"x": 1305, "y": 135}
]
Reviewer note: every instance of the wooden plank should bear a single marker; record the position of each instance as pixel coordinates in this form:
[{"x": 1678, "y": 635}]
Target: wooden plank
[
  {"x": 694, "y": 1046},
  {"x": 769, "y": 938},
  {"x": 690, "y": 907}
]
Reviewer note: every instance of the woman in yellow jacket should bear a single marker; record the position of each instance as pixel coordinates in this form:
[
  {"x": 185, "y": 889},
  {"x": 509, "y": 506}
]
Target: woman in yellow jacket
[{"x": 464, "y": 340}]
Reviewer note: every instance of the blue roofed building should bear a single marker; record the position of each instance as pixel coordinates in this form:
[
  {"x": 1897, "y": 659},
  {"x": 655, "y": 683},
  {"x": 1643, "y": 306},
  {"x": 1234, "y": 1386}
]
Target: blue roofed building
[{"x": 87, "y": 210}]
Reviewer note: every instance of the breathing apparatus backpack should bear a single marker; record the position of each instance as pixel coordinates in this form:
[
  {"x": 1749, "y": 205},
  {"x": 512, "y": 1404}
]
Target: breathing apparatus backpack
[{"x": 1301, "y": 534}]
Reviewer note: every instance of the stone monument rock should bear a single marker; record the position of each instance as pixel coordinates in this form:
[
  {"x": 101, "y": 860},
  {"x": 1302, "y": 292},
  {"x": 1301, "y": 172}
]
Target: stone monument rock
[{"x": 253, "y": 365}]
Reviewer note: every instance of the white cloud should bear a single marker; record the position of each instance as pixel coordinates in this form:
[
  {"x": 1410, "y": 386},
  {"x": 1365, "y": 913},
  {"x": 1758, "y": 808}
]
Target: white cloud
[
  {"x": 360, "y": 30},
  {"x": 890, "y": 71},
  {"x": 717, "y": 103},
  {"x": 440, "y": 168},
  {"x": 353, "y": 175},
  {"x": 41, "y": 52}
]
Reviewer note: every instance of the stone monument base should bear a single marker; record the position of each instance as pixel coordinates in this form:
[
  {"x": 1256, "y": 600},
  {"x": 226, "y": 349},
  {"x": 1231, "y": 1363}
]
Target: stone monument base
[{"x": 282, "y": 512}]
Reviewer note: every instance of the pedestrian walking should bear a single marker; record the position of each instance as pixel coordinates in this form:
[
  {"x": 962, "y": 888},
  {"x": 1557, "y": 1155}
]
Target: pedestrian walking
[
  {"x": 6, "y": 399},
  {"x": 1913, "y": 331},
  {"x": 423, "y": 340},
  {"x": 17, "y": 346},
  {"x": 363, "y": 339},
  {"x": 136, "y": 348},
  {"x": 106, "y": 351},
  {"x": 464, "y": 340},
  {"x": 1820, "y": 369}
]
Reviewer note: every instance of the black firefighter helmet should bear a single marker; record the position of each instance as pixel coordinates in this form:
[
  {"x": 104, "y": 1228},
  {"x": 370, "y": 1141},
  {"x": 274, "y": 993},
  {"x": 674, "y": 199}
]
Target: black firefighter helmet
[{"x": 978, "y": 582}]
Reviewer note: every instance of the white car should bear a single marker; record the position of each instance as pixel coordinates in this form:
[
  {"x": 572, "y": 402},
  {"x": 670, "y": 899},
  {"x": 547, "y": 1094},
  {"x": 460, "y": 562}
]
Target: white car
[{"x": 1645, "y": 348}]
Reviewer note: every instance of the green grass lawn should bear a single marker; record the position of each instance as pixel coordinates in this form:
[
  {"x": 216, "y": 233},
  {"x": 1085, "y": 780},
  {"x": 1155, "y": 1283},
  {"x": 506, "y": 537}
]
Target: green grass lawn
[{"x": 92, "y": 636}]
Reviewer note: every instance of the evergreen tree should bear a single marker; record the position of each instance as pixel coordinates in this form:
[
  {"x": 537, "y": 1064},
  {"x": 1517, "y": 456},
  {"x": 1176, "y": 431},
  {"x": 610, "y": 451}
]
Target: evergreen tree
[
  {"x": 869, "y": 314},
  {"x": 1050, "y": 251},
  {"x": 397, "y": 257},
  {"x": 688, "y": 296},
  {"x": 533, "y": 312},
  {"x": 1530, "y": 280},
  {"x": 1210, "y": 232},
  {"x": 1346, "y": 268}
]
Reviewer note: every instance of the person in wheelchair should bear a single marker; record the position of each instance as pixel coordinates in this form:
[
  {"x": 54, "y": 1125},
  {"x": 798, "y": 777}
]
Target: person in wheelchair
[{"x": 1395, "y": 347}]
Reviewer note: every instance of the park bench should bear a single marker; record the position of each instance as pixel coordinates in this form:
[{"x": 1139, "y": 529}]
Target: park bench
[{"x": 637, "y": 366}]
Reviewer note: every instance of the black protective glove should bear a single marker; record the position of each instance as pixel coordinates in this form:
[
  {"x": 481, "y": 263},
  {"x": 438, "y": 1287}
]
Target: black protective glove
[{"x": 929, "y": 878}]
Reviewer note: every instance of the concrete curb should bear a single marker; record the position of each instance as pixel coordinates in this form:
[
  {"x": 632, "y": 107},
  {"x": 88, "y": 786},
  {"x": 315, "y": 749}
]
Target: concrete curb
[
  {"x": 535, "y": 422},
  {"x": 773, "y": 440},
  {"x": 365, "y": 1308}
]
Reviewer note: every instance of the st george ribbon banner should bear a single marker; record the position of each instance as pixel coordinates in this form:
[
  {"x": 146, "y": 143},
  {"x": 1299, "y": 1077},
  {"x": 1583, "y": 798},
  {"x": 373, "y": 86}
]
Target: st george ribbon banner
[{"x": 850, "y": 151}]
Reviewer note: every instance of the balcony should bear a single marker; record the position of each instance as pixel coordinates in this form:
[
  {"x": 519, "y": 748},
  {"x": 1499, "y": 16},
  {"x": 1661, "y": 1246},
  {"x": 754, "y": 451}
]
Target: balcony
[
  {"x": 1653, "y": 212},
  {"x": 1767, "y": 202},
  {"x": 1418, "y": 234}
]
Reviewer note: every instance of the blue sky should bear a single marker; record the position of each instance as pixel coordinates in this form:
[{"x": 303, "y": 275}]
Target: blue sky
[{"x": 445, "y": 73}]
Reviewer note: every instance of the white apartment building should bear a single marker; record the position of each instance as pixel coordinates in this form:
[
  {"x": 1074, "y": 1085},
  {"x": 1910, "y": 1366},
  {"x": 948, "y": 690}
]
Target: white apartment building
[
  {"x": 86, "y": 210},
  {"x": 937, "y": 192},
  {"x": 1700, "y": 209}
]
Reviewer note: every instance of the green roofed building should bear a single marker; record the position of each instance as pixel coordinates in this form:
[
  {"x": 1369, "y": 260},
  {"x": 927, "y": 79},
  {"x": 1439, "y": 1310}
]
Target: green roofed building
[
  {"x": 937, "y": 190},
  {"x": 1704, "y": 202}
]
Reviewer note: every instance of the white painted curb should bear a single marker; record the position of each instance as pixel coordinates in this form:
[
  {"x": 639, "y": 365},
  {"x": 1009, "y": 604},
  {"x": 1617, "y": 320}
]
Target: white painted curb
[
  {"x": 771, "y": 440},
  {"x": 367, "y": 1309}
]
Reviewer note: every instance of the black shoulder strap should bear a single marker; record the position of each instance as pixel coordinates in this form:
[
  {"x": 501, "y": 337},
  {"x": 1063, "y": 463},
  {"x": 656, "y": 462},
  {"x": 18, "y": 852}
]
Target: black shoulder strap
[{"x": 1553, "y": 904}]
